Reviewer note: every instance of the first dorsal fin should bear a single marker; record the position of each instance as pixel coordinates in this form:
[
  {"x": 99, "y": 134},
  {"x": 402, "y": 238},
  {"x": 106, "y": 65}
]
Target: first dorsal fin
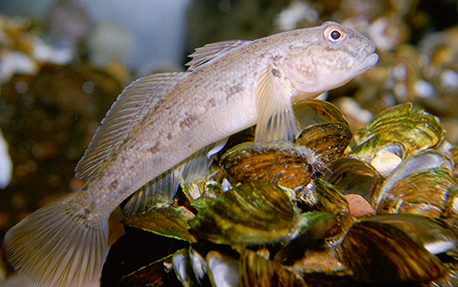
[
  {"x": 210, "y": 52},
  {"x": 130, "y": 108}
]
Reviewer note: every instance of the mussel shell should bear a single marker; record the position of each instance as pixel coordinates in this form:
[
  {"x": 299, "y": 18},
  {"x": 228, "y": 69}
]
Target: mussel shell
[
  {"x": 257, "y": 271},
  {"x": 321, "y": 262},
  {"x": 383, "y": 157},
  {"x": 314, "y": 228},
  {"x": 450, "y": 278},
  {"x": 425, "y": 192},
  {"x": 286, "y": 164},
  {"x": 313, "y": 111},
  {"x": 451, "y": 208},
  {"x": 350, "y": 175},
  {"x": 328, "y": 141},
  {"x": 435, "y": 235},
  {"x": 255, "y": 212},
  {"x": 324, "y": 197},
  {"x": 414, "y": 172},
  {"x": 222, "y": 270},
  {"x": 203, "y": 186},
  {"x": 323, "y": 129},
  {"x": 382, "y": 253},
  {"x": 182, "y": 266},
  {"x": 168, "y": 222},
  {"x": 199, "y": 265},
  {"x": 416, "y": 129}
]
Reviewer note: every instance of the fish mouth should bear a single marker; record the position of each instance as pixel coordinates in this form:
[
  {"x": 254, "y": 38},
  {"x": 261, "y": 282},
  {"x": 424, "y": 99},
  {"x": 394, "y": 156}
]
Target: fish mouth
[{"x": 365, "y": 59}]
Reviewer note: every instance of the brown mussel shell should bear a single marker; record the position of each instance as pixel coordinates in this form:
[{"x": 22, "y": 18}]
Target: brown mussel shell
[
  {"x": 312, "y": 111},
  {"x": 257, "y": 271},
  {"x": 328, "y": 141},
  {"x": 422, "y": 179},
  {"x": 353, "y": 176},
  {"x": 256, "y": 212},
  {"x": 433, "y": 233},
  {"x": 323, "y": 129},
  {"x": 381, "y": 253},
  {"x": 285, "y": 164}
]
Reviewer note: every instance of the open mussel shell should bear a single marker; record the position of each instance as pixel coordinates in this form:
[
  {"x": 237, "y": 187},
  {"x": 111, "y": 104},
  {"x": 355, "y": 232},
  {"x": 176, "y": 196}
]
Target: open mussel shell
[
  {"x": 353, "y": 176},
  {"x": 324, "y": 197},
  {"x": 204, "y": 186},
  {"x": 287, "y": 164},
  {"x": 382, "y": 253},
  {"x": 416, "y": 129},
  {"x": 423, "y": 179},
  {"x": 312, "y": 111},
  {"x": 255, "y": 212},
  {"x": 318, "y": 263},
  {"x": 314, "y": 227},
  {"x": 168, "y": 222},
  {"x": 383, "y": 157}
]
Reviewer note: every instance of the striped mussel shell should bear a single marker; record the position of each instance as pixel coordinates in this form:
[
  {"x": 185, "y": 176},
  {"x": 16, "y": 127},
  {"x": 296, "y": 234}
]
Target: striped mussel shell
[{"x": 324, "y": 136}]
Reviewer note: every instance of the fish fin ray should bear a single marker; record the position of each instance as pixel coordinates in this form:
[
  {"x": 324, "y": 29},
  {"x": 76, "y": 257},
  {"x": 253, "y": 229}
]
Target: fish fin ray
[
  {"x": 195, "y": 166},
  {"x": 160, "y": 191},
  {"x": 213, "y": 51},
  {"x": 54, "y": 247},
  {"x": 276, "y": 118},
  {"x": 132, "y": 105}
]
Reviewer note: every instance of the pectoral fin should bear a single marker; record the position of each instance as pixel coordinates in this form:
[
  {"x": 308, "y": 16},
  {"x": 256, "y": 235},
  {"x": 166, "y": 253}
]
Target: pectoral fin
[{"x": 276, "y": 119}]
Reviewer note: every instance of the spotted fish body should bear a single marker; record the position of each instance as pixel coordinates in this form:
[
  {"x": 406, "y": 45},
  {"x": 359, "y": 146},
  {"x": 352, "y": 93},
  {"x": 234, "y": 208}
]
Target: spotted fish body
[{"x": 159, "y": 121}]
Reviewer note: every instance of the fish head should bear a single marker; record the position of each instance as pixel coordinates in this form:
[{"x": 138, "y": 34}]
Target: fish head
[{"x": 332, "y": 56}]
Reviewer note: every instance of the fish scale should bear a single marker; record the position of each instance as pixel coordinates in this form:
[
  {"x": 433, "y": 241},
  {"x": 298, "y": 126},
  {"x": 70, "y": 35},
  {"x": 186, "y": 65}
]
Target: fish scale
[{"x": 162, "y": 125}]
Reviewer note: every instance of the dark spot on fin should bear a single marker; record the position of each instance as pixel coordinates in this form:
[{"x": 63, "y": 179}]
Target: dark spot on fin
[{"x": 276, "y": 73}]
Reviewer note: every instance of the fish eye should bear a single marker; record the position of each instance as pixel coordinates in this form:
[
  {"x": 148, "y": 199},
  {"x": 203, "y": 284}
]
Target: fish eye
[{"x": 335, "y": 35}]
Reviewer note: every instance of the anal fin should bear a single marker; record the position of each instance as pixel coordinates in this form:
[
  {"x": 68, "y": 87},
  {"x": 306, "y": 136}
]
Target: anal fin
[{"x": 160, "y": 191}]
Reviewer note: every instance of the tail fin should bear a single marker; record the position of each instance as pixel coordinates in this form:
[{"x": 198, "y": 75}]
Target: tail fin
[{"x": 53, "y": 247}]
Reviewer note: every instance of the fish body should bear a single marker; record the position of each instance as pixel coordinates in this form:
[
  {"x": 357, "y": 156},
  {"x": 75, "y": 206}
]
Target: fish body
[{"x": 160, "y": 120}]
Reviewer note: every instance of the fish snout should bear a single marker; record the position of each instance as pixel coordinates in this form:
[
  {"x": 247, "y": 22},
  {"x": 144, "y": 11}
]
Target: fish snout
[{"x": 366, "y": 58}]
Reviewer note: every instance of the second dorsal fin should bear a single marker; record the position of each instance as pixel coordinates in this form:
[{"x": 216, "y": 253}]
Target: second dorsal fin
[
  {"x": 210, "y": 52},
  {"x": 132, "y": 105}
]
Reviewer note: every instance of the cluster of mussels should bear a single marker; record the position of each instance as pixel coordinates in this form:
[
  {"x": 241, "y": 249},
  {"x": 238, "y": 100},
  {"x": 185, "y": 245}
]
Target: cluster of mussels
[{"x": 280, "y": 215}]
